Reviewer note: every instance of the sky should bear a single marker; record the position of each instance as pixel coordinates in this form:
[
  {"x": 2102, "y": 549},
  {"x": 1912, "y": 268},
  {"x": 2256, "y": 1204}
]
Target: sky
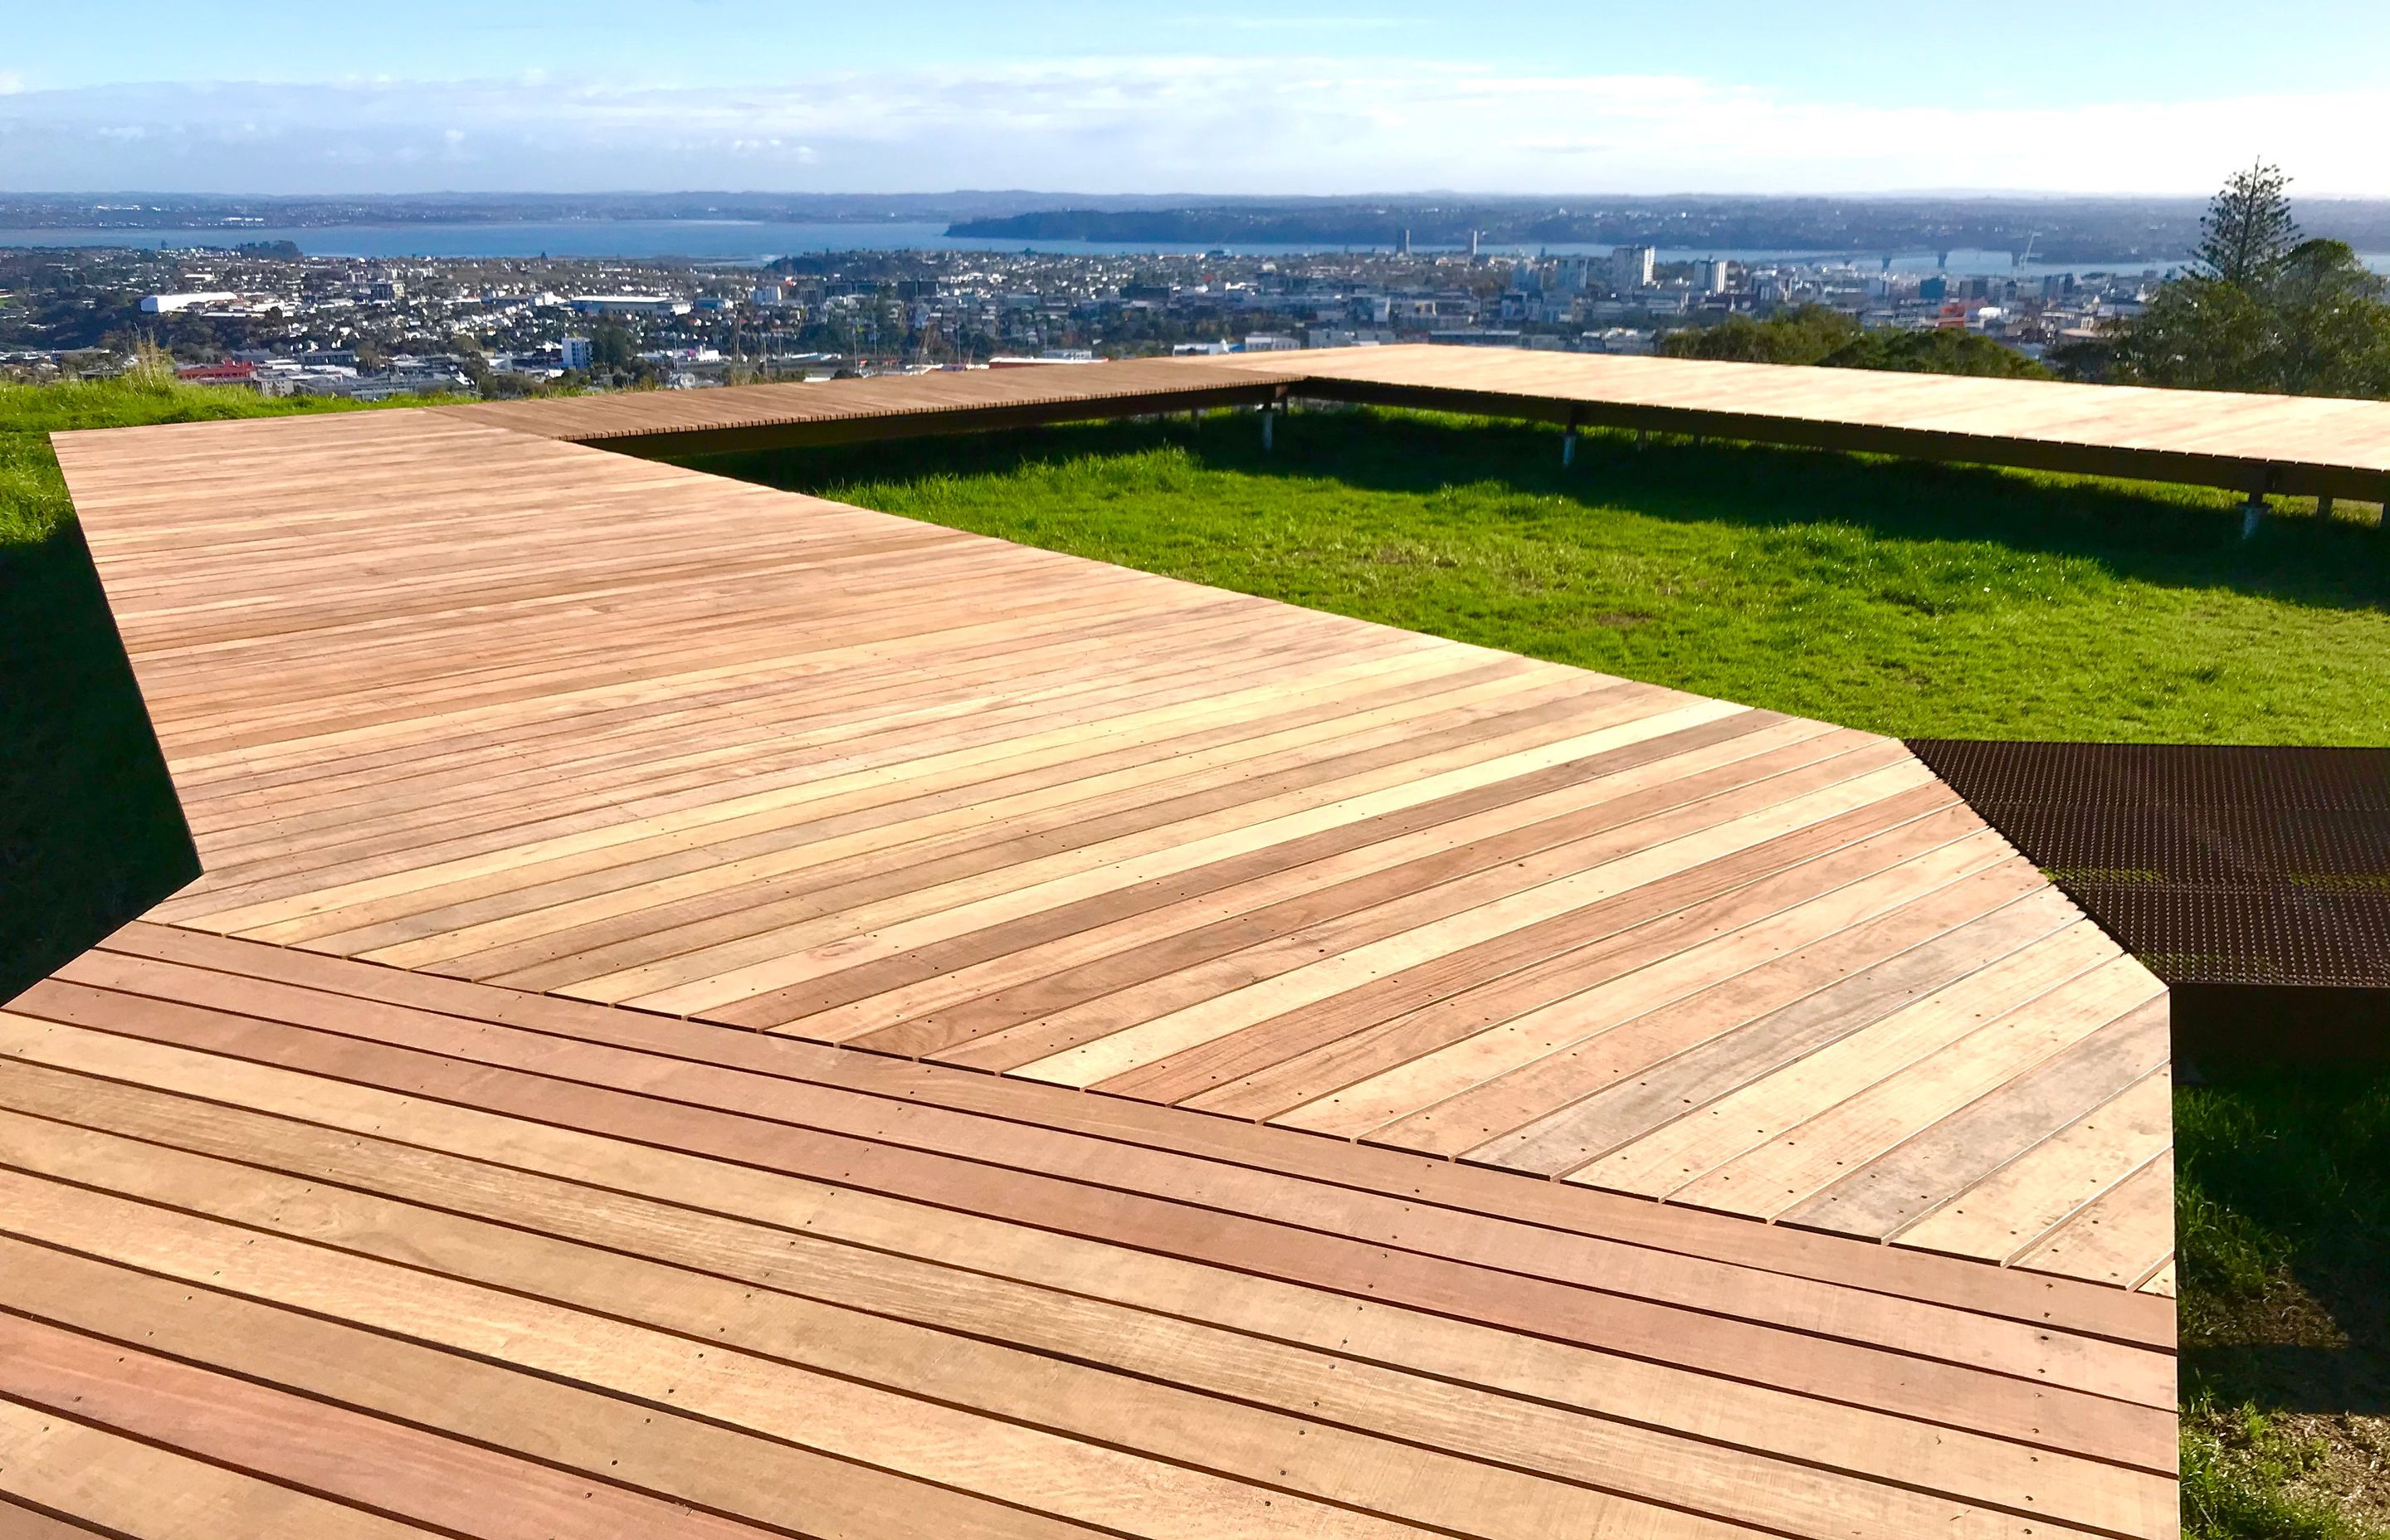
[{"x": 1303, "y": 96}]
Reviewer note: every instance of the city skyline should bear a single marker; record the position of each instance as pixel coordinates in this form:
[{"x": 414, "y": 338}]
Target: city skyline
[{"x": 2137, "y": 97}]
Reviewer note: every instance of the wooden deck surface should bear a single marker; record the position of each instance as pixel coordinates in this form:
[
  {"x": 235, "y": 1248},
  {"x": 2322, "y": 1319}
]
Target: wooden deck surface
[
  {"x": 494, "y": 707},
  {"x": 559, "y": 745},
  {"x": 2297, "y": 445},
  {"x": 2292, "y": 444},
  {"x": 758, "y": 416},
  {"x": 293, "y": 1245}
]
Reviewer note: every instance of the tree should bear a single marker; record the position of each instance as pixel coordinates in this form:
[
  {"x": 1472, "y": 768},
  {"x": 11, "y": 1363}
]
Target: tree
[
  {"x": 2198, "y": 334},
  {"x": 2260, "y": 310},
  {"x": 2332, "y": 324},
  {"x": 1813, "y": 334},
  {"x": 610, "y": 346},
  {"x": 1942, "y": 351},
  {"x": 2248, "y": 231},
  {"x": 1805, "y": 334}
]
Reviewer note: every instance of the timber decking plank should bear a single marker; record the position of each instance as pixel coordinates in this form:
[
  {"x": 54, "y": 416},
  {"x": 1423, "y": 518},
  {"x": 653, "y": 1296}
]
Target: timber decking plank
[
  {"x": 1614, "y": 1456},
  {"x": 1294, "y": 1059},
  {"x": 2004, "y": 1405},
  {"x": 20, "y": 1522},
  {"x": 2123, "y": 1237},
  {"x": 684, "y": 1459},
  {"x": 1142, "y": 1041},
  {"x": 121, "y": 1486},
  {"x": 1613, "y": 1029},
  {"x": 2022, "y": 1201},
  {"x": 1860, "y": 1128},
  {"x": 1392, "y": 1174},
  {"x": 737, "y": 1386},
  {"x": 1420, "y": 1104},
  {"x": 1043, "y": 1156},
  {"x": 1662, "y": 1160},
  {"x": 1676, "y": 1070},
  {"x": 1421, "y": 895},
  {"x": 1075, "y": 1401},
  {"x": 334, "y": 1453},
  {"x": 937, "y": 996}
]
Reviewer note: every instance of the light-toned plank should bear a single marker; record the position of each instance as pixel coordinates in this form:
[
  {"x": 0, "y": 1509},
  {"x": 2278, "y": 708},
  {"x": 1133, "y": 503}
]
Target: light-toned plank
[
  {"x": 121, "y": 1486},
  {"x": 2015, "y": 1207}
]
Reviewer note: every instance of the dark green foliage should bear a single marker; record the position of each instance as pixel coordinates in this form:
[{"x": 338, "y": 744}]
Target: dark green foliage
[
  {"x": 1813, "y": 334},
  {"x": 2198, "y": 334},
  {"x": 1941, "y": 350},
  {"x": 2334, "y": 324},
  {"x": 2261, "y": 310},
  {"x": 2248, "y": 229},
  {"x": 611, "y": 347},
  {"x": 1805, "y": 334}
]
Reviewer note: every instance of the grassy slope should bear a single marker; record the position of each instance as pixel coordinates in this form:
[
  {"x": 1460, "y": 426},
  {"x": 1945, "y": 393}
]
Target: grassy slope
[
  {"x": 1913, "y": 599},
  {"x": 1906, "y": 599},
  {"x": 90, "y": 834}
]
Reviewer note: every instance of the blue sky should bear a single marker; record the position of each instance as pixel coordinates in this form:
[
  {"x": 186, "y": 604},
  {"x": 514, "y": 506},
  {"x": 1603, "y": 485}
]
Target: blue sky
[{"x": 1222, "y": 96}]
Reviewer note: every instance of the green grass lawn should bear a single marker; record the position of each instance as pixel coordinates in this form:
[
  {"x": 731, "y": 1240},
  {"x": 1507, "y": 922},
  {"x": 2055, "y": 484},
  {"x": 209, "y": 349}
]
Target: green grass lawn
[
  {"x": 1910, "y": 599},
  {"x": 1906, "y": 599}
]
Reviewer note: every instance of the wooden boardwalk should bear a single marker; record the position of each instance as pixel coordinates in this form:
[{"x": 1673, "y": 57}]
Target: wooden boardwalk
[
  {"x": 2300, "y": 446},
  {"x": 2297, "y": 445},
  {"x": 299, "y": 1246},
  {"x": 756, "y": 417},
  {"x": 537, "y": 767}
]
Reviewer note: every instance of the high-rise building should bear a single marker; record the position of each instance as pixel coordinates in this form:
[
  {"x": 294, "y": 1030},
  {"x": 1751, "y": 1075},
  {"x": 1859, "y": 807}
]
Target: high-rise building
[
  {"x": 1630, "y": 268},
  {"x": 1709, "y": 275},
  {"x": 576, "y": 353}
]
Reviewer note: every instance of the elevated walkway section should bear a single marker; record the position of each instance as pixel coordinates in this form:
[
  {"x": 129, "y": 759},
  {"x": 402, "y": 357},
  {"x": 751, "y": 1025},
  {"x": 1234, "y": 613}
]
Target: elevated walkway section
[
  {"x": 946, "y": 1036},
  {"x": 2254, "y": 444}
]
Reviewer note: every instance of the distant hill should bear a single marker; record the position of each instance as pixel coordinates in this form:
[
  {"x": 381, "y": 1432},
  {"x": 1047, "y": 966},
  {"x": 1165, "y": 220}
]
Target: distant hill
[{"x": 2139, "y": 230}]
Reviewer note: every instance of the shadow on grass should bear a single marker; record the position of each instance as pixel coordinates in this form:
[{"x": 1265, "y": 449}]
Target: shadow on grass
[
  {"x": 2282, "y": 1225},
  {"x": 2283, "y": 1216},
  {"x": 2172, "y": 536},
  {"x": 90, "y": 832}
]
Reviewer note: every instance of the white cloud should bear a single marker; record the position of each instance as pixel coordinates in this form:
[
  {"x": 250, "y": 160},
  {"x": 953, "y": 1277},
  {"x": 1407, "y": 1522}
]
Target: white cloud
[{"x": 1164, "y": 124}]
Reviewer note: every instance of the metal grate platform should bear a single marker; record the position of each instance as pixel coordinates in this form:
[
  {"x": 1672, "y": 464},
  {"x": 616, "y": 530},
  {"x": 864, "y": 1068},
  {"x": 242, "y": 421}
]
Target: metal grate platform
[{"x": 2221, "y": 866}]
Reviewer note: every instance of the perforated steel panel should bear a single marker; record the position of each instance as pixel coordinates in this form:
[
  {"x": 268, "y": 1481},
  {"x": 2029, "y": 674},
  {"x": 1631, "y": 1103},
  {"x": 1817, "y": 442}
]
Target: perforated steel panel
[{"x": 2211, "y": 865}]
